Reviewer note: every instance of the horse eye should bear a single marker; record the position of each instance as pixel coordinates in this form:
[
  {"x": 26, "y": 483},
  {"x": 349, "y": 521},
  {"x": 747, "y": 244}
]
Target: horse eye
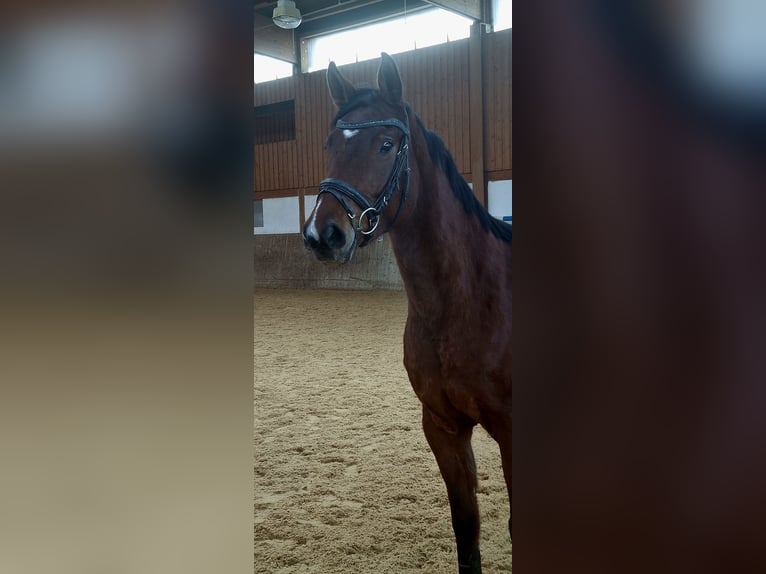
[{"x": 386, "y": 147}]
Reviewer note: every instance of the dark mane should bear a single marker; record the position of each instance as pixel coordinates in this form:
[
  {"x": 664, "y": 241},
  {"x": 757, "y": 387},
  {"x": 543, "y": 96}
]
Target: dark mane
[{"x": 441, "y": 156}]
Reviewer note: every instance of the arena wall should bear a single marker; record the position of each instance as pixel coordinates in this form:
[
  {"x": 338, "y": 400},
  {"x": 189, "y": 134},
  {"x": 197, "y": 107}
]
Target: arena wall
[
  {"x": 282, "y": 261},
  {"x": 437, "y": 84}
]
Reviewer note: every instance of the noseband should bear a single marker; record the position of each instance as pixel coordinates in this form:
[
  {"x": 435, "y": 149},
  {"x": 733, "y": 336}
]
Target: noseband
[{"x": 341, "y": 190}]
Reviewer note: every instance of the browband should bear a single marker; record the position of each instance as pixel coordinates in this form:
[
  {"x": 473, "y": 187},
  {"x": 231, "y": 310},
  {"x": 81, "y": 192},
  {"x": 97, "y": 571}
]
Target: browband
[{"x": 341, "y": 124}]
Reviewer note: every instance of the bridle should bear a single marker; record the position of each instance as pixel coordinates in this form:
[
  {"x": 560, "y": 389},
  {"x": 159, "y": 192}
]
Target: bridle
[{"x": 341, "y": 190}]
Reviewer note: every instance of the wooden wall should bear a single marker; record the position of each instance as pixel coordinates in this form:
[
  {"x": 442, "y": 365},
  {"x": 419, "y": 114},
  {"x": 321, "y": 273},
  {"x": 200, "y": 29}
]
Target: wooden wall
[
  {"x": 497, "y": 106},
  {"x": 437, "y": 86}
]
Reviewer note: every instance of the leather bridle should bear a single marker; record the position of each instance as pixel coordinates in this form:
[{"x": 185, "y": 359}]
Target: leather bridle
[{"x": 341, "y": 190}]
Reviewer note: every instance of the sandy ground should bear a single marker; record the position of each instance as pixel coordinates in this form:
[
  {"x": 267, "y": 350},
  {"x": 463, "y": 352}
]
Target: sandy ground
[{"x": 344, "y": 479}]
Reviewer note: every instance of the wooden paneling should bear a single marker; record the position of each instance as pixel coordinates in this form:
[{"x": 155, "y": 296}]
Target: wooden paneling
[
  {"x": 476, "y": 126},
  {"x": 275, "y": 91},
  {"x": 498, "y": 102},
  {"x": 276, "y": 164},
  {"x": 437, "y": 86}
]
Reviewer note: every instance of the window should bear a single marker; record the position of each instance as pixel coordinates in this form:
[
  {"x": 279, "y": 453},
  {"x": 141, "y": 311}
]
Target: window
[
  {"x": 281, "y": 215},
  {"x": 500, "y": 199},
  {"x": 266, "y": 69},
  {"x": 424, "y": 28},
  {"x": 502, "y": 11},
  {"x": 275, "y": 122}
]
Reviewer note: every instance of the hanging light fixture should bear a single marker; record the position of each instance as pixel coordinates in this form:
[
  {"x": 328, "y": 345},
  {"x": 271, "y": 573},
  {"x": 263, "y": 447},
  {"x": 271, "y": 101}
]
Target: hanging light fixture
[{"x": 286, "y": 15}]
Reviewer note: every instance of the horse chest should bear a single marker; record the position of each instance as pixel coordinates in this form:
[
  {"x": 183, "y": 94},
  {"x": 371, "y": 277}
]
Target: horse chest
[{"x": 443, "y": 373}]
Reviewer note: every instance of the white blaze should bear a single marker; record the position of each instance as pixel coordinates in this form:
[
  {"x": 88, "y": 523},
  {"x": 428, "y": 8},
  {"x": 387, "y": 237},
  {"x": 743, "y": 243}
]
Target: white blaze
[
  {"x": 311, "y": 230},
  {"x": 348, "y": 134}
]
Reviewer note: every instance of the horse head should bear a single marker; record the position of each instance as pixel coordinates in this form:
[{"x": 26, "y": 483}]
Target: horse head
[{"x": 367, "y": 166}]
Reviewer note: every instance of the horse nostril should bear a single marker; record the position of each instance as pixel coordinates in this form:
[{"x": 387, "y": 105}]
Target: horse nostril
[
  {"x": 333, "y": 236},
  {"x": 310, "y": 240}
]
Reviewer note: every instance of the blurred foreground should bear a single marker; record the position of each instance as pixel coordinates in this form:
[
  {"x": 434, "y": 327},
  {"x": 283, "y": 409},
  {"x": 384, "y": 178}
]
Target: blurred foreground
[
  {"x": 125, "y": 288},
  {"x": 640, "y": 310}
]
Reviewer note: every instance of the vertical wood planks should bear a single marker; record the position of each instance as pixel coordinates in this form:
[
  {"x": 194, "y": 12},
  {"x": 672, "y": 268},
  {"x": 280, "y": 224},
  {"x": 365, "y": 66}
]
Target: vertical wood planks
[
  {"x": 437, "y": 84},
  {"x": 499, "y": 102}
]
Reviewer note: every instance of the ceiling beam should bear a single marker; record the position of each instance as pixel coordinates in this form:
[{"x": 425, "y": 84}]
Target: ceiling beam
[
  {"x": 470, "y": 8},
  {"x": 271, "y": 40},
  {"x": 349, "y": 15}
]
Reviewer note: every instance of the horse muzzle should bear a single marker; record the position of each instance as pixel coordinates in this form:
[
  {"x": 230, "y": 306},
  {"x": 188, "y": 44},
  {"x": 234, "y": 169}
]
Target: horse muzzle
[{"x": 330, "y": 242}]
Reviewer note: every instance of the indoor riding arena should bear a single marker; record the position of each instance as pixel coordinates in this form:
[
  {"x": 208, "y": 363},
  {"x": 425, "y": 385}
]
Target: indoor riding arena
[{"x": 344, "y": 479}]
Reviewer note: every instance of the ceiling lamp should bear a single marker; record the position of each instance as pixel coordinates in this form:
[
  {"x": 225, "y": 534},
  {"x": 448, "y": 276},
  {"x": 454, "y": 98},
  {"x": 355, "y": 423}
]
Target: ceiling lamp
[{"x": 286, "y": 15}]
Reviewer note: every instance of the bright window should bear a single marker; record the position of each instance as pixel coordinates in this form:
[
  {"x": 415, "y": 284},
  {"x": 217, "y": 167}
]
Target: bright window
[
  {"x": 424, "y": 28},
  {"x": 503, "y": 15},
  {"x": 266, "y": 69}
]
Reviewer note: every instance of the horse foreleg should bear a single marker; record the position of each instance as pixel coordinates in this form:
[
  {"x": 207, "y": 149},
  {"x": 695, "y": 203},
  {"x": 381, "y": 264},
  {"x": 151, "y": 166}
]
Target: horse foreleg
[
  {"x": 454, "y": 456},
  {"x": 505, "y": 453}
]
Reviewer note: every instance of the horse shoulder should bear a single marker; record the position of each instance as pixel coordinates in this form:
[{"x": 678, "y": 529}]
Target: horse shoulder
[{"x": 457, "y": 377}]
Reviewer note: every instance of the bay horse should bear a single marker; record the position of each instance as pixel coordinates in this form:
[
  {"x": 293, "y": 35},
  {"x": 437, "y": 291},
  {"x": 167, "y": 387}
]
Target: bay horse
[{"x": 388, "y": 174}]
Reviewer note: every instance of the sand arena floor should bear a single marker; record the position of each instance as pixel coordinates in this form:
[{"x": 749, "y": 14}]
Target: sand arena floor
[{"x": 344, "y": 479}]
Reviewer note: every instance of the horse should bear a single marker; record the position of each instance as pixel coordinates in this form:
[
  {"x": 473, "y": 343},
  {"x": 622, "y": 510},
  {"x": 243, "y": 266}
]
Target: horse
[{"x": 387, "y": 173}]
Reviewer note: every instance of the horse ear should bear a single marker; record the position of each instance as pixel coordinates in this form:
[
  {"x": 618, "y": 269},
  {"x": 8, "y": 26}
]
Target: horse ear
[
  {"x": 389, "y": 80},
  {"x": 341, "y": 89}
]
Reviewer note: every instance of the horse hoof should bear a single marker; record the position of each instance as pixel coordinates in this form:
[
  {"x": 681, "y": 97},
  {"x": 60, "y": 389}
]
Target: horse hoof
[{"x": 473, "y": 566}]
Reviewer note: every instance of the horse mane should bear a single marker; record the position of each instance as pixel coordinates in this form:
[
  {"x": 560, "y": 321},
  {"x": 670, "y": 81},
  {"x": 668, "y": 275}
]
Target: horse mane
[{"x": 441, "y": 156}]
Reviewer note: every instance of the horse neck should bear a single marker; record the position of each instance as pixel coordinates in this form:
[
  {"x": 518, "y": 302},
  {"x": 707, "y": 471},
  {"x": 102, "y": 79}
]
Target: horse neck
[{"x": 433, "y": 243}]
